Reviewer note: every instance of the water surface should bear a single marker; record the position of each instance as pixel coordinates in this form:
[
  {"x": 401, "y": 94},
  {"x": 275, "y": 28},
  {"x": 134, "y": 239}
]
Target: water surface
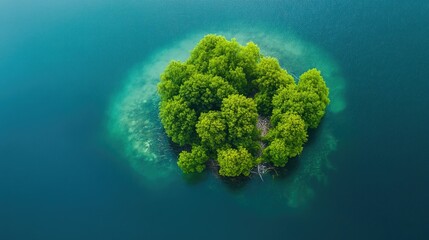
[{"x": 64, "y": 65}]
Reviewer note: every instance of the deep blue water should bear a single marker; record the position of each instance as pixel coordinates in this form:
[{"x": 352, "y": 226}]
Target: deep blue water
[{"x": 62, "y": 178}]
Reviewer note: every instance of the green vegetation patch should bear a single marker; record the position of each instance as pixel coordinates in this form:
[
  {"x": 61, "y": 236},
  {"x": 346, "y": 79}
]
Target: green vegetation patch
[{"x": 233, "y": 106}]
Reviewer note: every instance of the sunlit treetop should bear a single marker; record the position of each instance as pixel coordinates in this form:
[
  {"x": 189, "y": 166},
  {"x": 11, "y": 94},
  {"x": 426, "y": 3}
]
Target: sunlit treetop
[{"x": 211, "y": 103}]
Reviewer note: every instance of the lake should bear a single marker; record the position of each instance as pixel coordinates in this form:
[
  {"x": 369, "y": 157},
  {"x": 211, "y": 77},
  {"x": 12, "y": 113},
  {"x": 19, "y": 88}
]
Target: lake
[{"x": 83, "y": 156}]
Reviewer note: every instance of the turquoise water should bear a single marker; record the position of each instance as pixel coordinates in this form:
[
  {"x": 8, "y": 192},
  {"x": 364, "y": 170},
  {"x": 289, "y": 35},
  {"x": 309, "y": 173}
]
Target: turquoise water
[{"x": 83, "y": 157}]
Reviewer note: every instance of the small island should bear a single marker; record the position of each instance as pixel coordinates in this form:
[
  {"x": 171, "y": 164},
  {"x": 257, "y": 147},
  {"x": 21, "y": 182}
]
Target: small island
[{"x": 237, "y": 110}]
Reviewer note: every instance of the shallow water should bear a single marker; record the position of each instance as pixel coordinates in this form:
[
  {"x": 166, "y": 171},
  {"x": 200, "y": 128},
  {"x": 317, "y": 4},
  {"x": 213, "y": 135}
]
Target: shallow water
[{"x": 71, "y": 167}]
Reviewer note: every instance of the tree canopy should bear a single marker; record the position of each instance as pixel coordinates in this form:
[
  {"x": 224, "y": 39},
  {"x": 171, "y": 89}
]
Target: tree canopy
[
  {"x": 314, "y": 96},
  {"x": 211, "y": 104},
  {"x": 205, "y": 92},
  {"x": 212, "y": 130},
  {"x": 270, "y": 78},
  {"x": 194, "y": 161},
  {"x": 240, "y": 115},
  {"x": 286, "y": 139},
  {"x": 235, "y": 162},
  {"x": 178, "y": 120}
]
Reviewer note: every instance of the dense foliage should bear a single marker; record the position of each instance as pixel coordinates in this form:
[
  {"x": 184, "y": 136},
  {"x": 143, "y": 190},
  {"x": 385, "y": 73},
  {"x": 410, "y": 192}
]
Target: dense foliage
[
  {"x": 211, "y": 104},
  {"x": 193, "y": 161}
]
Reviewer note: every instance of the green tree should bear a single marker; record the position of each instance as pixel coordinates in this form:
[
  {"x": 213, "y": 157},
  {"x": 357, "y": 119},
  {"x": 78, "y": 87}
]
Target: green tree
[
  {"x": 286, "y": 139},
  {"x": 178, "y": 120},
  {"x": 240, "y": 115},
  {"x": 194, "y": 161},
  {"x": 270, "y": 78},
  {"x": 314, "y": 109},
  {"x": 312, "y": 81},
  {"x": 314, "y": 96},
  {"x": 206, "y": 49},
  {"x": 249, "y": 57},
  {"x": 235, "y": 162},
  {"x": 276, "y": 152},
  {"x": 211, "y": 128},
  {"x": 286, "y": 100},
  {"x": 205, "y": 92},
  {"x": 227, "y": 59},
  {"x": 173, "y": 77}
]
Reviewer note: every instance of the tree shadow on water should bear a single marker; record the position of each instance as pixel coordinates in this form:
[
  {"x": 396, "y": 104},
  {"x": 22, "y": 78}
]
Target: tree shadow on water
[
  {"x": 195, "y": 178},
  {"x": 235, "y": 184}
]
